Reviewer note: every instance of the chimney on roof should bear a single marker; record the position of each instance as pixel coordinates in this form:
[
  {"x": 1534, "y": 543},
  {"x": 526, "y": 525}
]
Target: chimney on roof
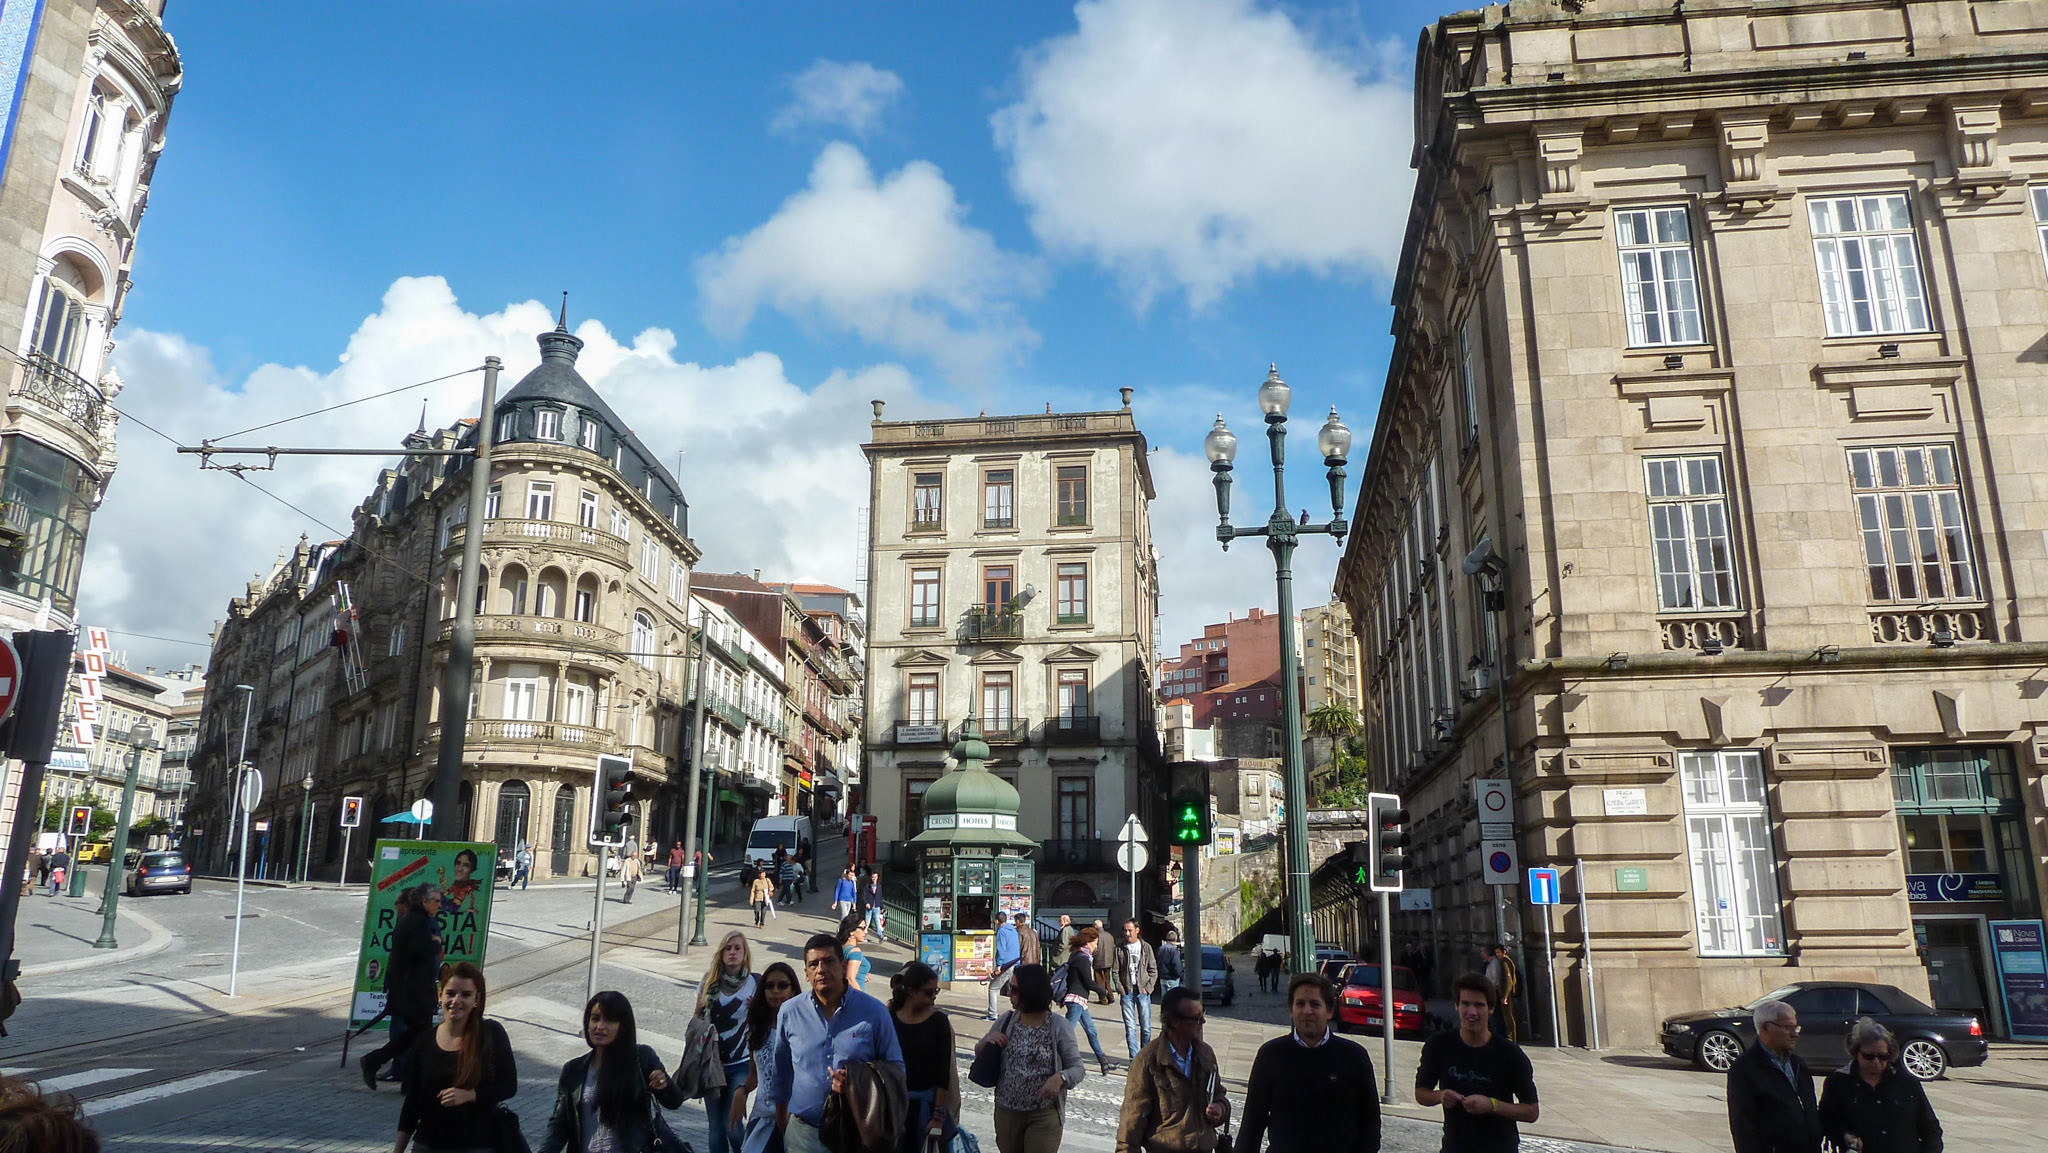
[
  {"x": 1126, "y": 390},
  {"x": 757, "y": 576}
]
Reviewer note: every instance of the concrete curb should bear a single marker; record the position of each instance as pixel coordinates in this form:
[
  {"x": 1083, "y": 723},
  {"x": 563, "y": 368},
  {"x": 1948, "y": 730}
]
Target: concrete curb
[{"x": 160, "y": 939}]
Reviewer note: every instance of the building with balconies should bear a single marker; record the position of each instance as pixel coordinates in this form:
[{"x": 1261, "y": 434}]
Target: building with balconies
[
  {"x": 1706, "y": 497},
  {"x": 744, "y": 725},
  {"x": 1012, "y": 577},
  {"x": 83, "y": 105},
  {"x": 582, "y": 637}
]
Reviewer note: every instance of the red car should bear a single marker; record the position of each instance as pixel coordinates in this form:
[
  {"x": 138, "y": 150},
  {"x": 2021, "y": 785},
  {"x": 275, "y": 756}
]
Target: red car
[{"x": 1358, "y": 999}]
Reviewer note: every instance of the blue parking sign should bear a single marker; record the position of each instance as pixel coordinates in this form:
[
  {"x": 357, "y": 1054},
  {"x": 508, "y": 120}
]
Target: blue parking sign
[{"x": 1543, "y": 886}]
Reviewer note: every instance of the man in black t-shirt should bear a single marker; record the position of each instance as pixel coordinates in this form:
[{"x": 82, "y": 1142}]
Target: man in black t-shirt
[{"x": 1483, "y": 1081}]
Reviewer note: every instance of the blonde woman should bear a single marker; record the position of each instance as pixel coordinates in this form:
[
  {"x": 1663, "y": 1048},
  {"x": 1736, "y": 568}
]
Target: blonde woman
[{"x": 723, "y": 998}]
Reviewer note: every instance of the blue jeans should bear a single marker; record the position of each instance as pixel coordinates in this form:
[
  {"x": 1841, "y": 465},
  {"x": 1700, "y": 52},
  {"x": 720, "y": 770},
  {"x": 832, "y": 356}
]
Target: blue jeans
[
  {"x": 921, "y": 1102},
  {"x": 762, "y": 1136},
  {"x": 1137, "y": 1009},
  {"x": 1077, "y": 1010},
  {"x": 718, "y": 1112}
]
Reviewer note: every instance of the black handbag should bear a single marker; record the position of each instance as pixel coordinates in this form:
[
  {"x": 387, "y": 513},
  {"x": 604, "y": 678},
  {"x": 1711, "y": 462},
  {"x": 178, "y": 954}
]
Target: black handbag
[
  {"x": 511, "y": 1135},
  {"x": 987, "y": 1067},
  {"x": 665, "y": 1139}
]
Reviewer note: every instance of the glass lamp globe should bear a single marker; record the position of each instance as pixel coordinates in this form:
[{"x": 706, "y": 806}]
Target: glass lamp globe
[
  {"x": 1334, "y": 439},
  {"x": 1220, "y": 444},
  {"x": 1274, "y": 395}
]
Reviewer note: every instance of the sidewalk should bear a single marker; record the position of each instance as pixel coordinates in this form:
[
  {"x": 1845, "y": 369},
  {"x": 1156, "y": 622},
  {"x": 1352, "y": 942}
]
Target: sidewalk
[{"x": 56, "y": 934}]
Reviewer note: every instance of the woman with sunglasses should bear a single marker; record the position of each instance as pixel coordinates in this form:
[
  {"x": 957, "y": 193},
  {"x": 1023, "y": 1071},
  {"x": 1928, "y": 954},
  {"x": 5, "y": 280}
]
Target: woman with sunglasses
[
  {"x": 777, "y": 985},
  {"x": 930, "y": 1074},
  {"x": 604, "y": 1102},
  {"x": 459, "y": 1073},
  {"x": 724, "y": 998},
  {"x": 1870, "y": 1105}
]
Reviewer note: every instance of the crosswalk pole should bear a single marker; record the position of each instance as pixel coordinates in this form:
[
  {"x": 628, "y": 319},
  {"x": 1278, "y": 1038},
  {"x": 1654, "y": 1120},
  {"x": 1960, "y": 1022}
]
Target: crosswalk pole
[{"x": 596, "y": 924}]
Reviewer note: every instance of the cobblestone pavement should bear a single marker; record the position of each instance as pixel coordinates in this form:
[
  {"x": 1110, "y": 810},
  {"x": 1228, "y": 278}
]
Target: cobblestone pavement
[{"x": 166, "y": 1067}]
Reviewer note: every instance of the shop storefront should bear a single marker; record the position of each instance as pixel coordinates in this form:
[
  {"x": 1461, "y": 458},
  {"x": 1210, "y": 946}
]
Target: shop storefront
[{"x": 1962, "y": 823}]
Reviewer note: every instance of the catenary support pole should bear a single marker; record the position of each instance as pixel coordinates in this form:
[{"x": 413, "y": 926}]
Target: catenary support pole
[
  {"x": 1550, "y": 981},
  {"x": 456, "y": 678},
  {"x": 1586, "y": 944},
  {"x": 117, "y": 860},
  {"x": 1386, "y": 998},
  {"x": 696, "y": 785},
  {"x": 242, "y": 861}
]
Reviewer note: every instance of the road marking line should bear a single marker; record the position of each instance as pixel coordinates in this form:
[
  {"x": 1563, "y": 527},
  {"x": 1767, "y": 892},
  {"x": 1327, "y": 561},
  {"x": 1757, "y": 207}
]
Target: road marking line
[
  {"x": 167, "y": 1089},
  {"x": 90, "y": 1077}
]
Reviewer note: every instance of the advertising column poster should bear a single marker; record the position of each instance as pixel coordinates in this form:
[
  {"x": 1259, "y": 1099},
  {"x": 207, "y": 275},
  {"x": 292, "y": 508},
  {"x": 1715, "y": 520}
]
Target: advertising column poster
[
  {"x": 462, "y": 870},
  {"x": 2019, "y": 950}
]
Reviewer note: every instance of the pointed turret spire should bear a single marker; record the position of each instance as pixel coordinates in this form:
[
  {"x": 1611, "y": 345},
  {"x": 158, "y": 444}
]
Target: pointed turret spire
[
  {"x": 562, "y": 322},
  {"x": 560, "y": 345}
]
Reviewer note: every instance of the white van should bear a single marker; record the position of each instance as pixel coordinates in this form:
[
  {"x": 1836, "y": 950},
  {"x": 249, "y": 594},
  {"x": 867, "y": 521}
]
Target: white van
[{"x": 784, "y": 832}]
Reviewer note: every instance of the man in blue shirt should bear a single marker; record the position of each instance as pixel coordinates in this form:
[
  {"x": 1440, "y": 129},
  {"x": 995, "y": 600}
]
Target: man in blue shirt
[
  {"x": 815, "y": 1038},
  {"x": 1008, "y": 950}
]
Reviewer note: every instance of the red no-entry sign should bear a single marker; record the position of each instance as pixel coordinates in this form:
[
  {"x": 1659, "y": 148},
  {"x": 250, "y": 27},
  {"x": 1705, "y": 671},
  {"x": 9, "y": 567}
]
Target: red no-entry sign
[{"x": 10, "y": 677}]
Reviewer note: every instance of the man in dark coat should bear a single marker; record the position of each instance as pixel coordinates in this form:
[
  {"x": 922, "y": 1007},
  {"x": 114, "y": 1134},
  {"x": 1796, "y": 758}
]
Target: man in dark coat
[
  {"x": 411, "y": 978},
  {"x": 1770, "y": 1091}
]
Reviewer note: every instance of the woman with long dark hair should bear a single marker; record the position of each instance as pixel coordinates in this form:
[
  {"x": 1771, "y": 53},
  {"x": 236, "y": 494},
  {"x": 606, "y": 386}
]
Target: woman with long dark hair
[
  {"x": 604, "y": 1100},
  {"x": 1040, "y": 1063},
  {"x": 1081, "y": 984},
  {"x": 930, "y": 1074},
  {"x": 777, "y": 985},
  {"x": 724, "y": 997},
  {"x": 459, "y": 1072}
]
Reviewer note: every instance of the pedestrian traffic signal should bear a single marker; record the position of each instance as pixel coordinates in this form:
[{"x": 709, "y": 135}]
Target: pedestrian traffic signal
[
  {"x": 81, "y": 820},
  {"x": 351, "y": 812},
  {"x": 1190, "y": 818},
  {"x": 1360, "y": 861},
  {"x": 1386, "y": 822},
  {"x": 613, "y": 805}
]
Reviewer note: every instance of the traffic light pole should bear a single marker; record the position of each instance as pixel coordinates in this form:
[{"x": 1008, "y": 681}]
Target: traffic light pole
[
  {"x": 1386, "y": 998},
  {"x": 596, "y": 927}
]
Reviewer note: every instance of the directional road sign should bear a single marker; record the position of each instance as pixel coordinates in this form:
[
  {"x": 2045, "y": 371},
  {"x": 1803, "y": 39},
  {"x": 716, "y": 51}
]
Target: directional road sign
[{"x": 1543, "y": 888}]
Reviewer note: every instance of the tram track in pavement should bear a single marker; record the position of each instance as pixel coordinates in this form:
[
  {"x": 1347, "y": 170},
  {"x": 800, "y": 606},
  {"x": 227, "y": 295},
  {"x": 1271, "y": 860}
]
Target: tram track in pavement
[{"x": 305, "y": 1035}]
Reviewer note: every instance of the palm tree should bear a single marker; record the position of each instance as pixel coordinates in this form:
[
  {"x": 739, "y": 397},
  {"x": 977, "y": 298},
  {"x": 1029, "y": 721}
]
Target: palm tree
[{"x": 1332, "y": 720}]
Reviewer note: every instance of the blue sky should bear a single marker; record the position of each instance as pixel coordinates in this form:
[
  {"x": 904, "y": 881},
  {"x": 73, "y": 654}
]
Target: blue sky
[{"x": 762, "y": 214}]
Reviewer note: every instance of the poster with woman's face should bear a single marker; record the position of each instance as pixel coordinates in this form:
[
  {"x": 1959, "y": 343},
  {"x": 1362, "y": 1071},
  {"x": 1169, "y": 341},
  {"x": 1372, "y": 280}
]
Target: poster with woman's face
[{"x": 462, "y": 870}]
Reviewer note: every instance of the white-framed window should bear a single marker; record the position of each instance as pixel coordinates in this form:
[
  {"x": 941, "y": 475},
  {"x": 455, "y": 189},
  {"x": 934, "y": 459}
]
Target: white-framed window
[
  {"x": 998, "y": 700},
  {"x": 95, "y": 122},
  {"x": 491, "y": 499},
  {"x": 1070, "y": 694},
  {"x": 622, "y": 525},
  {"x": 547, "y": 424},
  {"x": 522, "y": 698},
  {"x": 587, "y": 432},
  {"x": 1070, "y": 580},
  {"x": 643, "y": 639},
  {"x": 1916, "y": 540},
  {"x": 1688, "y": 499},
  {"x": 508, "y": 427},
  {"x": 586, "y": 509},
  {"x": 586, "y": 605},
  {"x": 576, "y": 703},
  {"x": 1660, "y": 292},
  {"x": 1468, "y": 374},
  {"x": 999, "y": 498},
  {"x": 678, "y": 581},
  {"x": 650, "y": 557},
  {"x": 540, "y": 500},
  {"x": 61, "y": 323},
  {"x": 397, "y": 643},
  {"x": 1869, "y": 264},
  {"x": 921, "y": 702},
  {"x": 1728, "y": 838},
  {"x": 457, "y": 516},
  {"x": 927, "y": 500}
]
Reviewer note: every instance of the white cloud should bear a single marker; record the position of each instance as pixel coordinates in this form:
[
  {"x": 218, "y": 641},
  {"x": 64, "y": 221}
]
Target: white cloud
[
  {"x": 1187, "y": 144},
  {"x": 774, "y": 478},
  {"x": 893, "y": 261},
  {"x": 831, "y": 94}
]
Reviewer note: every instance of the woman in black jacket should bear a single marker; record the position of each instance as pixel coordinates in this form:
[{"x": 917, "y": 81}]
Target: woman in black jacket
[
  {"x": 1872, "y": 1106},
  {"x": 609, "y": 1092},
  {"x": 459, "y": 1073},
  {"x": 1081, "y": 983}
]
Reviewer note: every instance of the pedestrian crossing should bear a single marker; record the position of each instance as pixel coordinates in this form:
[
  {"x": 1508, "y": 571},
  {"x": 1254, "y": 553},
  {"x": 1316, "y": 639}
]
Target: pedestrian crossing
[{"x": 106, "y": 1090}]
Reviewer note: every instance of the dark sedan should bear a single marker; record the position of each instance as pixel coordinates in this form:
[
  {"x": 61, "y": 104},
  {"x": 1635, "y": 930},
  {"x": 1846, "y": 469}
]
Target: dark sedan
[
  {"x": 158, "y": 872},
  {"x": 1930, "y": 1040}
]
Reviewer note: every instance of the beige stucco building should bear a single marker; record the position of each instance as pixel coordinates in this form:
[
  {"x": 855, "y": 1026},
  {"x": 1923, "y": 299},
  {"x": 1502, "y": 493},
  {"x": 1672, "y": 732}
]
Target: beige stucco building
[
  {"x": 1012, "y": 575},
  {"x": 1329, "y": 659},
  {"x": 1719, "y": 338}
]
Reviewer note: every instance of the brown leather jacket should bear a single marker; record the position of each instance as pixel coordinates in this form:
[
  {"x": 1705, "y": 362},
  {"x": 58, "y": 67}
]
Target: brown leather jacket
[
  {"x": 1163, "y": 1109},
  {"x": 870, "y": 1114}
]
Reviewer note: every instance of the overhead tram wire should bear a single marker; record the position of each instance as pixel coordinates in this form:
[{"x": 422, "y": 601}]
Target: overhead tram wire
[{"x": 344, "y": 404}]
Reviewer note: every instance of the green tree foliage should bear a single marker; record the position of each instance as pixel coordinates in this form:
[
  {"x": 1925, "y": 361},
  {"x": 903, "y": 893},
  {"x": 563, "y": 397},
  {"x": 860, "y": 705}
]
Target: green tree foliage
[
  {"x": 1350, "y": 783},
  {"x": 1332, "y": 721},
  {"x": 56, "y": 816}
]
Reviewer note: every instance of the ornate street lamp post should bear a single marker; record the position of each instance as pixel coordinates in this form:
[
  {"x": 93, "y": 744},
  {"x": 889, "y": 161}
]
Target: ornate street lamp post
[
  {"x": 1280, "y": 531},
  {"x": 143, "y": 739}
]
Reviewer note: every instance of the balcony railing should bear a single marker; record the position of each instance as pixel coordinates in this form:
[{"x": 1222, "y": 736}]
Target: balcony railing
[
  {"x": 920, "y": 733},
  {"x": 512, "y": 531},
  {"x": 1919, "y": 626},
  {"x": 52, "y": 385},
  {"x": 1705, "y": 632},
  {"x": 1005, "y": 731},
  {"x": 544, "y": 629},
  {"x": 992, "y": 624},
  {"x": 1073, "y": 730},
  {"x": 1082, "y": 854},
  {"x": 535, "y": 733}
]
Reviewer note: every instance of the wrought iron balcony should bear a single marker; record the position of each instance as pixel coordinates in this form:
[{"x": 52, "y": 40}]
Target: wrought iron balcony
[
  {"x": 1073, "y": 730},
  {"x": 1006, "y": 731},
  {"x": 56, "y": 387},
  {"x": 988, "y": 623}
]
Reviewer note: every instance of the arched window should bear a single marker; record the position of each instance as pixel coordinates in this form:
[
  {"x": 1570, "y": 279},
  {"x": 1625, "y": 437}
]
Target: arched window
[
  {"x": 550, "y": 592},
  {"x": 512, "y": 590},
  {"x": 60, "y": 317},
  {"x": 586, "y": 599},
  {"x": 643, "y": 639}
]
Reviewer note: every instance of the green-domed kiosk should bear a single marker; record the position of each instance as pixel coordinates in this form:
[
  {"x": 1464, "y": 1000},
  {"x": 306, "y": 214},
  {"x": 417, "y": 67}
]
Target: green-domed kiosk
[{"x": 974, "y": 867}]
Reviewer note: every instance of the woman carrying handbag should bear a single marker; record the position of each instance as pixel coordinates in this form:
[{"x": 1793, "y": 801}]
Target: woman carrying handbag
[
  {"x": 931, "y": 1074},
  {"x": 1030, "y": 1060},
  {"x": 605, "y": 1100},
  {"x": 723, "y": 998},
  {"x": 778, "y": 984},
  {"x": 459, "y": 1073}
]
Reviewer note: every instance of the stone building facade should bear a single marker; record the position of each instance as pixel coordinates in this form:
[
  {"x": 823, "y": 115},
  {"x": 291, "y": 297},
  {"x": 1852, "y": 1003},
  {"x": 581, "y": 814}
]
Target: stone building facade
[
  {"x": 85, "y": 91},
  {"x": 581, "y": 649},
  {"x": 1012, "y": 576},
  {"x": 1713, "y": 420}
]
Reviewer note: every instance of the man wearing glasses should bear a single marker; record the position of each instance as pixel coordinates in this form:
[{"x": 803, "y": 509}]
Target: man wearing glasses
[
  {"x": 1770, "y": 1091},
  {"x": 1173, "y": 1098}
]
